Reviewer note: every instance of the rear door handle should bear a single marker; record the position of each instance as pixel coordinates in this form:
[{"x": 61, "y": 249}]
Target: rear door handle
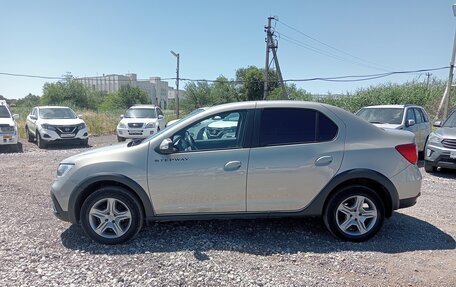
[
  {"x": 232, "y": 165},
  {"x": 324, "y": 160}
]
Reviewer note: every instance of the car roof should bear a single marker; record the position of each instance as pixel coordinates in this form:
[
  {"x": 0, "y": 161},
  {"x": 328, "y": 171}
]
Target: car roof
[
  {"x": 144, "y": 106},
  {"x": 52, "y": 107}
]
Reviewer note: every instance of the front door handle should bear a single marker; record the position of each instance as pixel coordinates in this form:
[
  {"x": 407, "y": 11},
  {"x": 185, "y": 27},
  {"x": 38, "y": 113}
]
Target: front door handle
[
  {"x": 324, "y": 160},
  {"x": 232, "y": 165}
]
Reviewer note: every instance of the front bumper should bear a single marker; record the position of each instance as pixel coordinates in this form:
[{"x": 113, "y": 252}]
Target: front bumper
[
  {"x": 50, "y": 135},
  {"x": 135, "y": 133},
  {"x": 8, "y": 138},
  {"x": 439, "y": 156},
  {"x": 58, "y": 211}
]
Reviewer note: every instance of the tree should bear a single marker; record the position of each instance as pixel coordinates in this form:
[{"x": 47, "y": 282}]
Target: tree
[
  {"x": 29, "y": 101},
  {"x": 197, "y": 95},
  {"x": 293, "y": 93},
  {"x": 126, "y": 97},
  {"x": 66, "y": 92},
  {"x": 223, "y": 91},
  {"x": 252, "y": 83}
]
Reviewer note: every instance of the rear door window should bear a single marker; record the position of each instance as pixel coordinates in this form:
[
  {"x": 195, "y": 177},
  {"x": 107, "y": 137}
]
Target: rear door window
[{"x": 285, "y": 126}]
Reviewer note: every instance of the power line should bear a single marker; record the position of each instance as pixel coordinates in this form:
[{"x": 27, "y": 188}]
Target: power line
[
  {"x": 332, "y": 47},
  {"x": 346, "y": 78}
]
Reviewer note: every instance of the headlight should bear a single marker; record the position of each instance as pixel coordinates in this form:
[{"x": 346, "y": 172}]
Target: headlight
[
  {"x": 48, "y": 127},
  {"x": 150, "y": 126},
  {"x": 82, "y": 126},
  {"x": 122, "y": 126},
  {"x": 64, "y": 168},
  {"x": 435, "y": 138}
]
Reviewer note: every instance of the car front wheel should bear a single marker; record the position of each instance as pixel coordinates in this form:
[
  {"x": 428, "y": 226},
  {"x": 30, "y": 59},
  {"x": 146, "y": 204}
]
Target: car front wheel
[
  {"x": 111, "y": 215},
  {"x": 39, "y": 141},
  {"x": 429, "y": 167},
  {"x": 354, "y": 213}
]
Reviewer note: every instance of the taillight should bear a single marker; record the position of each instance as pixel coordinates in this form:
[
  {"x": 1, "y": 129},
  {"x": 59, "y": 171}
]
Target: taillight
[{"x": 409, "y": 151}]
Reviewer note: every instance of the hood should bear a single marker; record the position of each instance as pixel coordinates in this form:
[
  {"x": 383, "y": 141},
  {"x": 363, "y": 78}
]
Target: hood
[
  {"x": 7, "y": 121},
  {"x": 97, "y": 152},
  {"x": 446, "y": 132},
  {"x": 388, "y": 126},
  {"x": 61, "y": 122},
  {"x": 138, "y": 120}
]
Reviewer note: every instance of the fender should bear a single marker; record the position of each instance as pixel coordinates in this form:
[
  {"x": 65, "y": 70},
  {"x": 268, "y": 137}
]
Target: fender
[
  {"x": 316, "y": 207},
  {"x": 79, "y": 193}
]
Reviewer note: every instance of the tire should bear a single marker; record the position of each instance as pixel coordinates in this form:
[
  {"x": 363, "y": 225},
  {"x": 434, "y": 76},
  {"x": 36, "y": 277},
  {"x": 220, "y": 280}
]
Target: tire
[
  {"x": 365, "y": 207},
  {"x": 429, "y": 167},
  {"x": 120, "y": 139},
  {"x": 96, "y": 214},
  {"x": 30, "y": 137},
  {"x": 39, "y": 141},
  {"x": 85, "y": 142}
]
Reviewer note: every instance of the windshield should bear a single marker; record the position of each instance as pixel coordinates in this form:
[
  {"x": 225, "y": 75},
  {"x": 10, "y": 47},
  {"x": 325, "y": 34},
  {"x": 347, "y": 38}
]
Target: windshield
[
  {"x": 57, "y": 113},
  {"x": 4, "y": 113},
  {"x": 451, "y": 121},
  {"x": 382, "y": 115},
  {"x": 140, "y": 113}
]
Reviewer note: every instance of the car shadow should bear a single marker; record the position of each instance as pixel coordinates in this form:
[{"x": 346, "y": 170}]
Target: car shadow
[
  {"x": 401, "y": 233},
  {"x": 10, "y": 149},
  {"x": 445, "y": 173}
]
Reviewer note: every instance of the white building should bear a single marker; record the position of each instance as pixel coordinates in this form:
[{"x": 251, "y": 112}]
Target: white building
[{"x": 154, "y": 87}]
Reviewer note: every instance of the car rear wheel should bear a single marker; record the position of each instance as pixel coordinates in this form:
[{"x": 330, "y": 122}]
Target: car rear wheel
[
  {"x": 111, "y": 215},
  {"x": 39, "y": 141},
  {"x": 354, "y": 213}
]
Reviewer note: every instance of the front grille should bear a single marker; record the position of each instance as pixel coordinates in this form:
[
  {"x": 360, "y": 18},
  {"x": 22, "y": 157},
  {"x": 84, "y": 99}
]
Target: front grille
[
  {"x": 66, "y": 130},
  {"x": 135, "y": 125},
  {"x": 449, "y": 143}
]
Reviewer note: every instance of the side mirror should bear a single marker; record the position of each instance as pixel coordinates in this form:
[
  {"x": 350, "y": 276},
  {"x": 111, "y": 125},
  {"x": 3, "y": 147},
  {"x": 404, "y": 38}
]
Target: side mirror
[
  {"x": 15, "y": 116},
  {"x": 121, "y": 116},
  {"x": 438, "y": 124},
  {"x": 161, "y": 117},
  {"x": 410, "y": 123},
  {"x": 81, "y": 116},
  {"x": 166, "y": 146},
  {"x": 33, "y": 117}
]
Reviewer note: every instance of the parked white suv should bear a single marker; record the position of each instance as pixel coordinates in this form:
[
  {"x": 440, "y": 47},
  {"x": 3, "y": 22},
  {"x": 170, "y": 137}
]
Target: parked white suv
[
  {"x": 400, "y": 117},
  {"x": 8, "y": 127},
  {"x": 139, "y": 122},
  {"x": 276, "y": 159},
  {"x": 47, "y": 124}
]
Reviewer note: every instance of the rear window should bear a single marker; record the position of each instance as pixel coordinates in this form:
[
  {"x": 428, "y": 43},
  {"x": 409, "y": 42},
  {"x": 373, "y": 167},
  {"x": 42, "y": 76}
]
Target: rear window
[{"x": 283, "y": 126}]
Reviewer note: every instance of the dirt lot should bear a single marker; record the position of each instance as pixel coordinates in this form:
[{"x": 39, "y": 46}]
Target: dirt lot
[{"x": 416, "y": 247}]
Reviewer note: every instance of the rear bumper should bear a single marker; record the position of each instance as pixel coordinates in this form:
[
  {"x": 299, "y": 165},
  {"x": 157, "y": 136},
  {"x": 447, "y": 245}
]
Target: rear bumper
[{"x": 407, "y": 202}]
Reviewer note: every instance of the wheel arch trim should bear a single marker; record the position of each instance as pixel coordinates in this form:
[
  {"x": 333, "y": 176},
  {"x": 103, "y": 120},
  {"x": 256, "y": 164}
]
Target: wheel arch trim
[{"x": 83, "y": 189}]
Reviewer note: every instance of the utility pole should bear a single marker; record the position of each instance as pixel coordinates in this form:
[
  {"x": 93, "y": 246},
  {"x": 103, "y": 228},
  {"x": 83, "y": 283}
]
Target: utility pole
[
  {"x": 271, "y": 44},
  {"x": 177, "y": 83},
  {"x": 428, "y": 75},
  {"x": 446, "y": 95}
]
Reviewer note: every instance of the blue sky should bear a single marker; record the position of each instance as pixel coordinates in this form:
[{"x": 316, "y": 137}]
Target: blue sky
[{"x": 89, "y": 38}]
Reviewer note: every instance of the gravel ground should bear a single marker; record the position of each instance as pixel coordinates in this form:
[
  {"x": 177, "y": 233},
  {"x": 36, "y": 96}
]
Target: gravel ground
[{"x": 416, "y": 247}]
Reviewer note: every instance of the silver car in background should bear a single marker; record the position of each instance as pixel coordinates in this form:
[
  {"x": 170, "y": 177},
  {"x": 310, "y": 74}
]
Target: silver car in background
[
  {"x": 400, "y": 117},
  {"x": 280, "y": 159},
  {"x": 441, "y": 146}
]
